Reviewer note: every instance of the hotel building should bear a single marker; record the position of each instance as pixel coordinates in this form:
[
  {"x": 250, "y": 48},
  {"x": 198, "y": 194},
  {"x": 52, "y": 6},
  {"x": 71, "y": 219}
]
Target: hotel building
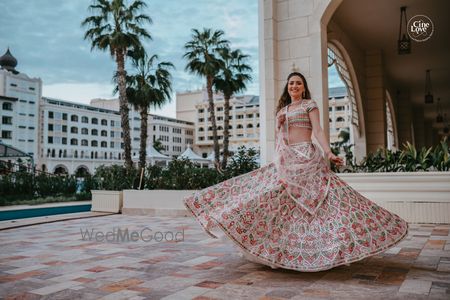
[
  {"x": 340, "y": 113},
  {"x": 244, "y": 119},
  {"x": 19, "y": 107}
]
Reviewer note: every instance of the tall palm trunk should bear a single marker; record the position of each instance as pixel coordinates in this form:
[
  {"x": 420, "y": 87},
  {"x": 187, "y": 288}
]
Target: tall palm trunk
[
  {"x": 226, "y": 132},
  {"x": 209, "y": 83},
  {"x": 123, "y": 107},
  {"x": 143, "y": 144}
]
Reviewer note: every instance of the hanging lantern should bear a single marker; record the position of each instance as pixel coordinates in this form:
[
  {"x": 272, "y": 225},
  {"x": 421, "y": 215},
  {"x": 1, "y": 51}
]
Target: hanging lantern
[{"x": 404, "y": 42}]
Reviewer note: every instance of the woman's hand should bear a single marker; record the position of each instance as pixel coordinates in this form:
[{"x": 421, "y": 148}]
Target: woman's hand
[
  {"x": 335, "y": 159},
  {"x": 280, "y": 120}
]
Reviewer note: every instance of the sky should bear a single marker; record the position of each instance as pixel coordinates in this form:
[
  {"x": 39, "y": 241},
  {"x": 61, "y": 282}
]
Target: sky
[{"x": 46, "y": 38}]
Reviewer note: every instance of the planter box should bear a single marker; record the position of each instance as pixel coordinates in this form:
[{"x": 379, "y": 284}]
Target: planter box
[
  {"x": 155, "y": 202},
  {"x": 107, "y": 201},
  {"x": 418, "y": 197}
]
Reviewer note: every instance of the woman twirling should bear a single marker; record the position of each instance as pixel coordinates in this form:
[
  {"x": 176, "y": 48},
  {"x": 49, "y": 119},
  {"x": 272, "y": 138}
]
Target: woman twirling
[{"x": 294, "y": 213}]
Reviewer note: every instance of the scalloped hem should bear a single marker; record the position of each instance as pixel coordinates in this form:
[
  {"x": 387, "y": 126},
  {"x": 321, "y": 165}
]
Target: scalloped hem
[{"x": 262, "y": 260}]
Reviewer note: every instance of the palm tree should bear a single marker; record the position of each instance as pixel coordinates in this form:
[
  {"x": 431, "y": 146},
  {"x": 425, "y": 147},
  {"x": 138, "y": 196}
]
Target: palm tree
[
  {"x": 118, "y": 27},
  {"x": 149, "y": 86},
  {"x": 202, "y": 53},
  {"x": 158, "y": 146},
  {"x": 231, "y": 79}
]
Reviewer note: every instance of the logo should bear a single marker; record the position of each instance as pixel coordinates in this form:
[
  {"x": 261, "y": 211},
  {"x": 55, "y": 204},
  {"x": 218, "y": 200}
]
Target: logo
[{"x": 420, "y": 28}]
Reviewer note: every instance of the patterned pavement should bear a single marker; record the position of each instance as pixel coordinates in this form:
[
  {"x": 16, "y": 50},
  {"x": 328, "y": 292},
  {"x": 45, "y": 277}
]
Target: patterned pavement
[{"x": 52, "y": 261}]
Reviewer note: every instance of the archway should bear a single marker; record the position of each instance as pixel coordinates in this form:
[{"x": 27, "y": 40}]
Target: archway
[
  {"x": 61, "y": 170},
  {"x": 82, "y": 171}
]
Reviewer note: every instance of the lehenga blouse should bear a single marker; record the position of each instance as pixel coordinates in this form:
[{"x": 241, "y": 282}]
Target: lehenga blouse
[{"x": 299, "y": 115}]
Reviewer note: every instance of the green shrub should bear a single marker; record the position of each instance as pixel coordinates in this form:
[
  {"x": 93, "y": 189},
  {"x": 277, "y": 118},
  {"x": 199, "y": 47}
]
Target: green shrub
[
  {"x": 409, "y": 159},
  {"x": 115, "y": 178}
]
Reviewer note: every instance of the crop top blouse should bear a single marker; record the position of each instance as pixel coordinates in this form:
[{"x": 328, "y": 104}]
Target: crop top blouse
[{"x": 298, "y": 116}]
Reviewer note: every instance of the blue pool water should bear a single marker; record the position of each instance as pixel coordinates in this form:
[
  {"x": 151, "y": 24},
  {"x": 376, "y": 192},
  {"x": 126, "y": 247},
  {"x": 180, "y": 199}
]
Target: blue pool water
[{"x": 43, "y": 211}]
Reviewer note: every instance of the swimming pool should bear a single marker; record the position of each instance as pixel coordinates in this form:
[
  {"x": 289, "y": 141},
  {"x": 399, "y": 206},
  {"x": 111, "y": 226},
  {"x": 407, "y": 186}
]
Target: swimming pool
[{"x": 6, "y": 215}]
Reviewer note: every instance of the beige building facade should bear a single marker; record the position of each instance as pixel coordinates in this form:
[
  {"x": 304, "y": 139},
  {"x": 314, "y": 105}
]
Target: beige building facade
[{"x": 244, "y": 120}]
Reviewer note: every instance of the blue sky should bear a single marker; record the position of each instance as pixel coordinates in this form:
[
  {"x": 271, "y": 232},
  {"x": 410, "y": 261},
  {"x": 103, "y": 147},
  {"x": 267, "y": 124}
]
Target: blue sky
[{"x": 46, "y": 38}]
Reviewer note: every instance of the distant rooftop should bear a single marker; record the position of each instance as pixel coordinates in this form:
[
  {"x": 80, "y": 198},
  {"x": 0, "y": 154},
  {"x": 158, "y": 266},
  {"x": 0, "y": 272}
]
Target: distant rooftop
[{"x": 337, "y": 92}]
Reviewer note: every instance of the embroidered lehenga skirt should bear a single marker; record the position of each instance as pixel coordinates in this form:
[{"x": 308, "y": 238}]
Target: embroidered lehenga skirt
[{"x": 296, "y": 214}]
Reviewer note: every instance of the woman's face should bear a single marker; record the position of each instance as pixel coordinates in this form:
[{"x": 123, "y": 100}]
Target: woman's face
[{"x": 295, "y": 87}]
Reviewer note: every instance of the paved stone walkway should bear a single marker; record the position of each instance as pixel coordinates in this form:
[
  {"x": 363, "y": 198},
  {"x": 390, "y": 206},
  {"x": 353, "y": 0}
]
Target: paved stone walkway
[{"x": 52, "y": 261}]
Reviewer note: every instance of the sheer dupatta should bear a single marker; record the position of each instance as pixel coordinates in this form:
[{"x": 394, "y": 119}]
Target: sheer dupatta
[{"x": 301, "y": 169}]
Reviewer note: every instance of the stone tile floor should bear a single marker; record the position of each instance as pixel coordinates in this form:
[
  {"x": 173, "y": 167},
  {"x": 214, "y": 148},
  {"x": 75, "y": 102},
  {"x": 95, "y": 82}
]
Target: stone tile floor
[{"x": 52, "y": 261}]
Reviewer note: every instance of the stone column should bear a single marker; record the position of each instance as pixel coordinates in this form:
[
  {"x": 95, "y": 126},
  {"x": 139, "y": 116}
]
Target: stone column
[
  {"x": 375, "y": 102},
  {"x": 292, "y": 33}
]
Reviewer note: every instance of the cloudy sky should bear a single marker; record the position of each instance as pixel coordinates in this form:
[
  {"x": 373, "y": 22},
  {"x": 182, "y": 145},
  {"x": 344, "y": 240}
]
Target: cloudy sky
[{"x": 46, "y": 38}]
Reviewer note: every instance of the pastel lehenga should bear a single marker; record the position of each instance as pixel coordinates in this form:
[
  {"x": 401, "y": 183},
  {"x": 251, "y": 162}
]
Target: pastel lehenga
[{"x": 294, "y": 213}]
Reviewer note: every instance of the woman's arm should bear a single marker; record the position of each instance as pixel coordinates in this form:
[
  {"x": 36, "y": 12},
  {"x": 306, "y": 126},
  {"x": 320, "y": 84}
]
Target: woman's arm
[{"x": 320, "y": 136}]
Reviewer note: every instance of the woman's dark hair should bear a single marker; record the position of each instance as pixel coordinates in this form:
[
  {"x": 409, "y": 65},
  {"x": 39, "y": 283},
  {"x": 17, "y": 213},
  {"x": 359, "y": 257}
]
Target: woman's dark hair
[{"x": 285, "y": 99}]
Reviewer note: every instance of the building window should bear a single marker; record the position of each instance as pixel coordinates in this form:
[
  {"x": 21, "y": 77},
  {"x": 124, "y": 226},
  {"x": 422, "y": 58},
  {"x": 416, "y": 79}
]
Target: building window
[
  {"x": 6, "y": 134},
  {"x": 7, "y": 120},
  {"x": 340, "y": 119},
  {"x": 94, "y": 143},
  {"x": 104, "y": 133},
  {"x": 220, "y": 108},
  {"x": 84, "y": 143},
  {"x": 94, "y": 121},
  {"x": 201, "y": 138},
  {"x": 84, "y": 119},
  {"x": 201, "y": 119},
  {"x": 111, "y": 134},
  {"x": 51, "y": 115},
  {"x": 111, "y": 144},
  {"x": 64, "y": 116},
  {"x": 240, "y": 126},
  {"x": 73, "y": 129},
  {"x": 64, "y": 128},
  {"x": 50, "y": 140},
  {"x": 104, "y": 144},
  {"x": 74, "y": 142},
  {"x": 94, "y": 132},
  {"x": 74, "y": 118},
  {"x": 50, "y": 127},
  {"x": 7, "y": 106},
  {"x": 201, "y": 129},
  {"x": 104, "y": 122},
  {"x": 249, "y": 125}
]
